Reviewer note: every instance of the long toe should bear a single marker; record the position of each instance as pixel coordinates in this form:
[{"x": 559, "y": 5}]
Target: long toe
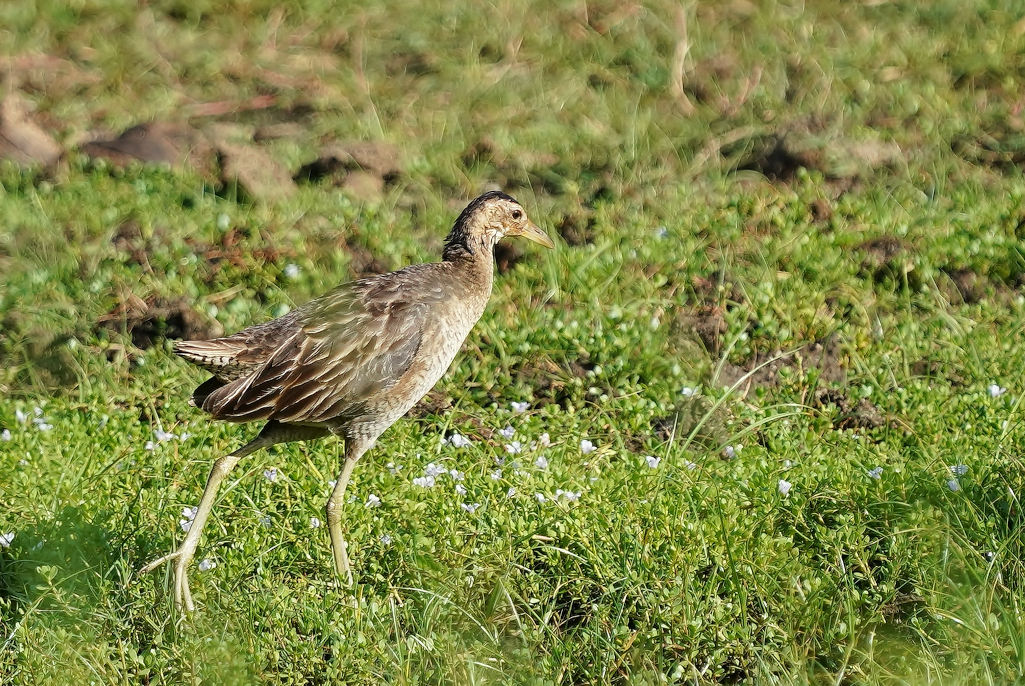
[{"x": 182, "y": 594}]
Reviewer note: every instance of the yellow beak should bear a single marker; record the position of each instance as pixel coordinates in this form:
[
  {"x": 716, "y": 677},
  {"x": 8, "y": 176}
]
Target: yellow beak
[{"x": 532, "y": 233}]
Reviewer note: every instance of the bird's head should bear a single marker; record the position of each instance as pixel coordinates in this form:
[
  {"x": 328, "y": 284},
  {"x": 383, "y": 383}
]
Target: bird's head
[{"x": 487, "y": 220}]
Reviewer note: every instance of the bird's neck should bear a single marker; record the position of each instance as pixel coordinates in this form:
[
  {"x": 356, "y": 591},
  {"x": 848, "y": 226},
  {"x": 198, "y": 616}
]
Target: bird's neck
[{"x": 472, "y": 256}]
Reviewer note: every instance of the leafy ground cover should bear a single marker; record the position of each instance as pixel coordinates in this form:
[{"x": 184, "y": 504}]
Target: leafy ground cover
[{"x": 757, "y": 420}]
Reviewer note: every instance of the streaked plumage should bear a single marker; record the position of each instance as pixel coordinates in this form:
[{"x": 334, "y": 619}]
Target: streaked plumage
[{"x": 351, "y": 362}]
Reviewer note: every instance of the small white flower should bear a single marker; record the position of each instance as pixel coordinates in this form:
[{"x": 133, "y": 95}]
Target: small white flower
[
  {"x": 185, "y": 524},
  {"x": 292, "y": 270},
  {"x": 953, "y": 485},
  {"x": 541, "y": 462},
  {"x": 958, "y": 469},
  {"x": 223, "y": 221},
  {"x": 332, "y": 483},
  {"x": 540, "y": 497},
  {"x": 691, "y": 466},
  {"x": 687, "y": 391},
  {"x": 662, "y": 232},
  {"x": 265, "y": 521},
  {"x": 460, "y": 489},
  {"x": 570, "y": 496},
  {"x": 20, "y": 416},
  {"x": 271, "y": 474},
  {"x": 652, "y": 461},
  {"x": 206, "y": 564},
  {"x": 315, "y": 522},
  {"x": 544, "y": 440},
  {"x": 996, "y": 390},
  {"x": 424, "y": 481},
  {"x": 514, "y": 448},
  {"x": 6, "y": 539},
  {"x": 731, "y": 451},
  {"x": 507, "y": 432},
  {"x": 586, "y": 446},
  {"x": 458, "y": 440},
  {"x": 433, "y": 470},
  {"x": 42, "y": 424},
  {"x": 519, "y": 407},
  {"x": 456, "y": 475},
  {"x": 385, "y": 539},
  {"x": 189, "y": 513},
  {"x": 162, "y": 435},
  {"x": 784, "y": 486},
  {"x": 876, "y": 473},
  {"x": 511, "y": 492},
  {"x": 150, "y": 445},
  {"x": 469, "y": 507},
  {"x": 787, "y": 464},
  {"x": 373, "y": 501},
  {"x": 394, "y": 468},
  {"x": 5, "y": 435},
  {"x": 495, "y": 474}
]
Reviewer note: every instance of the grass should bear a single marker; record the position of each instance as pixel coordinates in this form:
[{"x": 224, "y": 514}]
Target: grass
[{"x": 725, "y": 182}]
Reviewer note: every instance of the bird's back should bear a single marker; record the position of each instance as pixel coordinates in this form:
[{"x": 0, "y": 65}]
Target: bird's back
[{"x": 345, "y": 354}]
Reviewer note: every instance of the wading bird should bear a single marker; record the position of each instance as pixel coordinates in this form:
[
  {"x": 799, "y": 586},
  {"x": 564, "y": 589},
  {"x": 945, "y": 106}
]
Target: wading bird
[{"x": 349, "y": 363}]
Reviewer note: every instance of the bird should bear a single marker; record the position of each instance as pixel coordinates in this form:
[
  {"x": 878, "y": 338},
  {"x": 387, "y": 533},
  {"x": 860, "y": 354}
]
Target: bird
[{"x": 349, "y": 363}]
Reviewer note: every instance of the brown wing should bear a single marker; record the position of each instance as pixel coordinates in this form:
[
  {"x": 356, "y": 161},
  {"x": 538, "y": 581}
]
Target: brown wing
[
  {"x": 354, "y": 342},
  {"x": 240, "y": 354}
]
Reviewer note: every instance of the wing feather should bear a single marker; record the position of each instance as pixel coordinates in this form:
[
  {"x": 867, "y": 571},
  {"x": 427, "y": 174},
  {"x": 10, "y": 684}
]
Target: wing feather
[{"x": 345, "y": 348}]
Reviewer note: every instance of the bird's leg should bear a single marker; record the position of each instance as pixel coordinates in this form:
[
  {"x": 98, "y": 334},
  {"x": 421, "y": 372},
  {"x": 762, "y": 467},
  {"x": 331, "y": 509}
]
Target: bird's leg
[
  {"x": 272, "y": 433},
  {"x": 183, "y": 555},
  {"x": 354, "y": 449}
]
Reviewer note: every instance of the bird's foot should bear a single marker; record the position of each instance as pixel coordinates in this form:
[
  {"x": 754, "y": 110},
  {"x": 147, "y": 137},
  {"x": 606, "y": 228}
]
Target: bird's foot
[{"x": 182, "y": 559}]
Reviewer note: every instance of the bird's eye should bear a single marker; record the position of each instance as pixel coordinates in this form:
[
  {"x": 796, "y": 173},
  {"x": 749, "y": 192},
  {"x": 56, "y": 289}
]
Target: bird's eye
[{"x": 516, "y": 214}]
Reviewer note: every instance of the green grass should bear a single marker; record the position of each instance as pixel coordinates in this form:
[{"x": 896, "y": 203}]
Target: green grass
[{"x": 697, "y": 571}]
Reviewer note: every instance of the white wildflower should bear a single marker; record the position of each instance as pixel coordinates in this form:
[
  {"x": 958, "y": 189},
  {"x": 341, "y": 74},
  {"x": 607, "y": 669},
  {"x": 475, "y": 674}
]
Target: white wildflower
[
  {"x": 162, "y": 435},
  {"x": 876, "y": 473},
  {"x": 433, "y": 470},
  {"x": 652, "y": 461},
  {"x": 385, "y": 539},
  {"x": 507, "y": 432},
  {"x": 540, "y": 497},
  {"x": 662, "y": 232},
  {"x": 271, "y": 474},
  {"x": 731, "y": 451},
  {"x": 314, "y": 523},
  {"x": 571, "y": 496},
  {"x": 292, "y": 270},
  {"x": 20, "y": 416},
  {"x": 586, "y": 446},
  {"x": 458, "y": 440},
  {"x": 958, "y": 469},
  {"x": 691, "y": 466},
  {"x": 5, "y": 435},
  {"x": 185, "y": 524},
  {"x": 265, "y": 521},
  {"x": 996, "y": 390},
  {"x": 373, "y": 501},
  {"x": 953, "y": 485},
  {"x": 514, "y": 448},
  {"x": 469, "y": 507},
  {"x": 424, "y": 481},
  {"x": 6, "y": 539},
  {"x": 456, "y": 475},
  {"x": 332, "y": 483},
  {"x": 688, "y": 391},
  {"x": 460, "y": 489},
  {"x": 541, "y": 462},
  {"x": 42, "y": 424},
  {"x": 544, "y": 440},
  {"x": 206, "y": 564},
  {"x": 495, "y": 474},
  {"x": 189, "y": 513},
  {"x": 394, "y": 468},
  {"x": 519, "y": 407},
  {"x": 511, "y": 492},
  {"x": 784, "y": 486}
]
